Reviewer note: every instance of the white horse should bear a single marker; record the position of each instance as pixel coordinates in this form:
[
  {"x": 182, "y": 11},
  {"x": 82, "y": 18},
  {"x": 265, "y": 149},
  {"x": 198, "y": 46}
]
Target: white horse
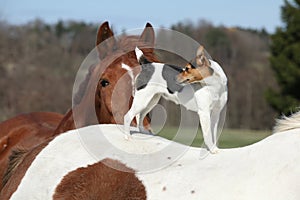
[{"x": 269, "y": 169}]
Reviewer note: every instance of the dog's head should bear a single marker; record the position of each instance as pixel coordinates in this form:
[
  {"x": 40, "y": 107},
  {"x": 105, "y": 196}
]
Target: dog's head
[{"x": 196, "y": 70}]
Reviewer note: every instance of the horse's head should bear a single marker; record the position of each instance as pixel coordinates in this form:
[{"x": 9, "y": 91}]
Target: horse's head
[
  {"x": 114, "y": 74},
  {"x": 197, "y": 69}
]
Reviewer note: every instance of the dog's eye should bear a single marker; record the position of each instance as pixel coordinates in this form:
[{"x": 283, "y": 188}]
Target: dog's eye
[{"x": 104, "y": 83}]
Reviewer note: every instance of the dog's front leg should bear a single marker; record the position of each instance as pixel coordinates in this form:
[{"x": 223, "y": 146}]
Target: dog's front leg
[
  {"x": 205, "y": 121},
  {"x": 215, "y": 117},
  {"x": 127, "y": 120}
]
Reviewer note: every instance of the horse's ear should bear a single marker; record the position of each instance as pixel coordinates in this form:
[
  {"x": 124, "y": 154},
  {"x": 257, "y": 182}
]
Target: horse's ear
[
  {"x": 148, "y": 36},
  {"x": 105, "y": 34}
]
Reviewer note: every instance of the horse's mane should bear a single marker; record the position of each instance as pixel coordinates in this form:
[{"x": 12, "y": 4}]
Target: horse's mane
[
  {"x": 287, "y": 123},
  {"x": 21, "y": 157},
  {"x": 15, "y": 159}
]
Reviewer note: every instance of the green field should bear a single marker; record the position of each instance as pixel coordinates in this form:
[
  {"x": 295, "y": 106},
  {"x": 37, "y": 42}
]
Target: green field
[{"x": 229, "y": 138}]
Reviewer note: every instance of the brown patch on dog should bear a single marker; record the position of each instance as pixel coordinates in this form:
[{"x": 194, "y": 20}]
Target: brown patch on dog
[
  {"x": 100, "y": 181},
  {"x": 197, "y": 69}
]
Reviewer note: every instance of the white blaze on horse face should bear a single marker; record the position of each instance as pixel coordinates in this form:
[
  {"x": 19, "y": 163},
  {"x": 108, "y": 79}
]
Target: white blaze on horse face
[
  {"x": 138, "y": 53},
  {"x": 130, "y": 73}
]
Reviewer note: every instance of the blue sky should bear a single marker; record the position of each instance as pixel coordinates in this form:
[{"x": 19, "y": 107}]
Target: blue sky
[{"x": 135, "y": 13}]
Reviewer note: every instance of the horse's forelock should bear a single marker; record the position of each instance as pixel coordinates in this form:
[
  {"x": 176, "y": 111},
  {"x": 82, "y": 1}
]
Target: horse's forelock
[
  {"x": 124, "y": 53},
  {"x": 128, "y": 44}
]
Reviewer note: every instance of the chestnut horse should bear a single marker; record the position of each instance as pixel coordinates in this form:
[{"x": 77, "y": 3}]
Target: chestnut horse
[
  {"x": 104, "y": 80},
  {"x": 107, "y": 89}
]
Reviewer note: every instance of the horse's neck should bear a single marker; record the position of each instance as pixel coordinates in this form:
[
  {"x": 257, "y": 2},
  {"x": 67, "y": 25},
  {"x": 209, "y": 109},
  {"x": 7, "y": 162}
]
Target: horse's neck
[
  {"x": 66, "y": 124},
  {"x": 68, "y": 121}
]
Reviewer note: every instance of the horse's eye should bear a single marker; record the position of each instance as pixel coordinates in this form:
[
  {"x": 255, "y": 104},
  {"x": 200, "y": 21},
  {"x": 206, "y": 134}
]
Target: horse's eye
[{"x": 104, "y": 83}]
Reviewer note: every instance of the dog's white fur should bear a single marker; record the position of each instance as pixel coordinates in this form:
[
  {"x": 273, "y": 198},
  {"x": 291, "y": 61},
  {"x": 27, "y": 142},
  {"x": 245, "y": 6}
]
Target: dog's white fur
[{"x": 208, "y": 101}]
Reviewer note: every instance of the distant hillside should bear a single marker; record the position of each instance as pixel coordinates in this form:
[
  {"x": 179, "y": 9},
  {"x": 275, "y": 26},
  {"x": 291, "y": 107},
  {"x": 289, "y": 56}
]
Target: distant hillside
[{"x": 38, "y": 64}]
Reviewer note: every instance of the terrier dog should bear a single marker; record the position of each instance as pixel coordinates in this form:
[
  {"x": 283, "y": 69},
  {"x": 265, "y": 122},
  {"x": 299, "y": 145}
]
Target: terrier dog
[{"x": 201, "y": 86}]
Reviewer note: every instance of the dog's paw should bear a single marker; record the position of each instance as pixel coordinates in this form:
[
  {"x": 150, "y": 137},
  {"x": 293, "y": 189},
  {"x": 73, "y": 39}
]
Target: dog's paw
[
  {"x": 145, "y": 131},
  {"x": 214, "y": 150},
  {"x": 127, "y": 137}
]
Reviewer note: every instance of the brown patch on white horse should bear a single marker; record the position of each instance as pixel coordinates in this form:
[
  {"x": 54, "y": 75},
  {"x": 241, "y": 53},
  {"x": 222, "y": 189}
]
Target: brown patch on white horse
[{"x": 101, "y": 181}]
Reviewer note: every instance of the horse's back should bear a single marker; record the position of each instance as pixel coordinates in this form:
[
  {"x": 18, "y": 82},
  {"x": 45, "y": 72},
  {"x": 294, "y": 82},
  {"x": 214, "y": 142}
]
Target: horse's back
[
  {"x": 31, "y": 121},
  {"x": 235, "y": 172},
  {"x": 21, "y": 129}
]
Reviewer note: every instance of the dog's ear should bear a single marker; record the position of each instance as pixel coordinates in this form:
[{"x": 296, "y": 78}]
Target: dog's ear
[
  {"x": 201, "y": 58},
  {"x": 200, "y": 50},
  {"x": 140, "y": 56}
]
